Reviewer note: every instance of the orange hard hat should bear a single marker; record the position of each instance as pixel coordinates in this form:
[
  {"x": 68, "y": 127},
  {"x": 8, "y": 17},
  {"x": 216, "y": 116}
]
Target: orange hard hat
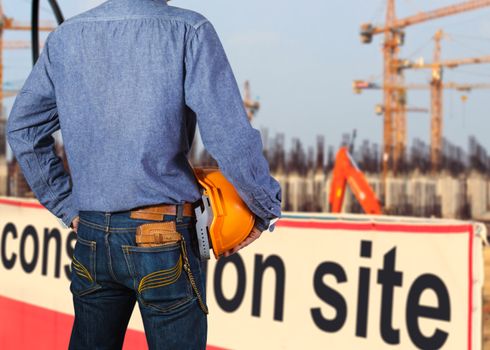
[{"x": 232, "y": 220}]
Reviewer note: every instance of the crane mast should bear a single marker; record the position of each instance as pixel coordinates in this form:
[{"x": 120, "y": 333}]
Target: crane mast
[
  {"x": 390, "y": 53},
  {"x": 436, "y": 105},
  {"x": 251, "y": 106}
]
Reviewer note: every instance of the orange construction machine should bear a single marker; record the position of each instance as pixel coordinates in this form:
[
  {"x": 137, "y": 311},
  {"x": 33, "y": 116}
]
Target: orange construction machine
[{"x": 346, "y": 172}]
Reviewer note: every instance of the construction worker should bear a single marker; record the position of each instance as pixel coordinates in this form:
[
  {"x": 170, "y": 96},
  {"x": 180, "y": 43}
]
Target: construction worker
[{"x": 127, "y": 82}]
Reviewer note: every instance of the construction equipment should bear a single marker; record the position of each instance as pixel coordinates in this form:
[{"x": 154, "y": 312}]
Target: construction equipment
[
  {"x": 360, "y": 85},
  {"x": 346, "y": 172},
  {"x": 36, "y": 24},
  {"x": 251, "y": 106},
  {"x": 223, "y": 220},
  {"x": 8, "y": 23},
  {"x": 379, "y": 109},
  {"x": 436, "y": 87},
  {"x": 394, "y": 38}
]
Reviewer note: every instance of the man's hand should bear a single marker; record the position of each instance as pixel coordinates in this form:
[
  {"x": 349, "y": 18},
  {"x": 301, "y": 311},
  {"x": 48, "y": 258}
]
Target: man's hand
[
  {"x": 254, "y": 234},
  {"x": 74, "y": 223}
]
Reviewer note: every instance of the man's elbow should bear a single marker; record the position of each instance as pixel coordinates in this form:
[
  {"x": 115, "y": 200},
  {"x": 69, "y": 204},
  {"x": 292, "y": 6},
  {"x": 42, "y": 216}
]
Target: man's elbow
[
  {"x": 10, "y": 133},
  {"x": 14, "y": 136}
]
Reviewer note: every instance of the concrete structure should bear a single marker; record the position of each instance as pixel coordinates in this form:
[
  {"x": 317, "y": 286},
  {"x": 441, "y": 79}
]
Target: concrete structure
[
  {"x": 414, "y": 194},
  {"x": 452, "y": 193},
  {"x": 478, "y": 195}
]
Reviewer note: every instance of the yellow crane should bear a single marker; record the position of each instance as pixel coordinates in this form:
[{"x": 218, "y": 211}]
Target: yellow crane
[
  {"x": 251, "y": 106},
  {"x": 8, "y": 23},
  {"x": 436, "y": 89},
  {"x": 394, "y": 36},
  {"x": 436, "y": 86}
]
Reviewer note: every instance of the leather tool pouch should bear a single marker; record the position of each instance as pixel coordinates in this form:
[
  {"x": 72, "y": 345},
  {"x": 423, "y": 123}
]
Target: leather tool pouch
[
  {"x": 157, "y": 234},
  {"x": 165, "y": 233}
]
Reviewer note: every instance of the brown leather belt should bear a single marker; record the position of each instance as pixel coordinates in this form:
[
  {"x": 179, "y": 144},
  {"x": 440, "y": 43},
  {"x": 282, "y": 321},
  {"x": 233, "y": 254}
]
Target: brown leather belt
[{"x": 156, "y": 212}]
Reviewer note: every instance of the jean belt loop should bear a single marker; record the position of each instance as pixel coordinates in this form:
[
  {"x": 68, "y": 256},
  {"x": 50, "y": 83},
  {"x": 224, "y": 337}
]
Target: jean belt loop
[
  {"x": 107, "y": 220},
  {"x": 180, "y": 210}
]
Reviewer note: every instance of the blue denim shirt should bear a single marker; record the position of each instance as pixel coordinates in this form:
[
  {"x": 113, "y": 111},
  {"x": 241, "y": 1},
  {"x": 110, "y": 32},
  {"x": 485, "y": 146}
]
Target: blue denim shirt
[{"x": 127, "y": 82}]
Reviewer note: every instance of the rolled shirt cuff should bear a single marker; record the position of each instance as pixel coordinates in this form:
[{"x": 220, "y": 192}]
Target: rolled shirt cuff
[
  {"x": 264, "y": 224},
  {"x": 261, "y": 223},
  {"x": 68, "y": 217}
]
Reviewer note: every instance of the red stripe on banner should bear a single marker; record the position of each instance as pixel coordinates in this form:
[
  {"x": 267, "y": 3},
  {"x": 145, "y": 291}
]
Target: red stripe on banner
[
  {"x": 20, "y": 203},
  {"x": 333, "y": 225},
  {"x": 25, "y": 326},
  {"x": 375, "y": 226}
]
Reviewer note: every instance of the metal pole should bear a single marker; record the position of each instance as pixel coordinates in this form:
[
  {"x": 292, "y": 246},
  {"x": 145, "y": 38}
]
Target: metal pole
[{"x": 35, "y": 25}]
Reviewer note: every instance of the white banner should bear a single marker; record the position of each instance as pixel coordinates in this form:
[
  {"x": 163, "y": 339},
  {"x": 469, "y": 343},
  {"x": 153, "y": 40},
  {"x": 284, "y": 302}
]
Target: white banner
[{"x": 318, "y": 281}]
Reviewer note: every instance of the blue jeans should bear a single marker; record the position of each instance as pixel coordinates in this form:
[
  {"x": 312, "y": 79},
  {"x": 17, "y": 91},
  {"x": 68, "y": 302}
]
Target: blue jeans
[{"x": 110, "y": 273}]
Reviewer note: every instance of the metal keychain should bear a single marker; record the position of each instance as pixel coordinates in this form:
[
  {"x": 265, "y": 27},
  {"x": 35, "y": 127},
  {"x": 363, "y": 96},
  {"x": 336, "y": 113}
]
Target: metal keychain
[{"x": 187, "y": 268}]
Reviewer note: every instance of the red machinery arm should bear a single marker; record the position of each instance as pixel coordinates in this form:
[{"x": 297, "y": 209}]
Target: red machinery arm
[{"x": 346, "y": 172}]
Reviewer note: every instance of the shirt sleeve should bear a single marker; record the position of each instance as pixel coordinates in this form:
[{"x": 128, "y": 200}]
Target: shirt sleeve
[
  {"x": 31, "y": 123},
  {"x": 212, "y": 92}
]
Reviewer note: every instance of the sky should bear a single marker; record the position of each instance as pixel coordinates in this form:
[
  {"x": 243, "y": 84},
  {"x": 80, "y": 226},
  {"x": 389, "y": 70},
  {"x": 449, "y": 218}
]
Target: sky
[{"x": 301, "y": 58}]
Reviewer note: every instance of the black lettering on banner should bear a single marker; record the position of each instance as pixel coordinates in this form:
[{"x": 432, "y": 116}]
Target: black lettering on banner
[
  {"x": 388, "y": 277},
  {"x": 363, "y": 292},
  {"x": 415, "y": 310},
  {"x": 29, "y": 231},
  {"x": 329, "y": 296},
  {"x": 276, "y": 263},
  {"x": 48, "y": 235},
  {"x": 230, "y": 305},
  {"x": 70, "y": 247},
  {"x": 7, "y": 262}
]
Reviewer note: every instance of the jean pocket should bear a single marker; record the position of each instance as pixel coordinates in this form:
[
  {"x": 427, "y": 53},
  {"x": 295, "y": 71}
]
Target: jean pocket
[
  {"x": 158, "y": 276},
  {"x": 83, "y": 276}
]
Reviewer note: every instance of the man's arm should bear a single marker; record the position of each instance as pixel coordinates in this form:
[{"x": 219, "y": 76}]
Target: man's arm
[
  {"x": 211, "y": 91},
  {"x": 31, "y": 123}
]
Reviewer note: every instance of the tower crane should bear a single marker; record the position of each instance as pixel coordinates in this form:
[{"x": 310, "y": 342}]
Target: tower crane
[
  {"x": 394, "y": 37},
  {"x": 437, "y": 87},
  {"x": 360, "y": 85},
  {"x": 251, "y": 106},
  {"x": 8, "y": 23}
]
